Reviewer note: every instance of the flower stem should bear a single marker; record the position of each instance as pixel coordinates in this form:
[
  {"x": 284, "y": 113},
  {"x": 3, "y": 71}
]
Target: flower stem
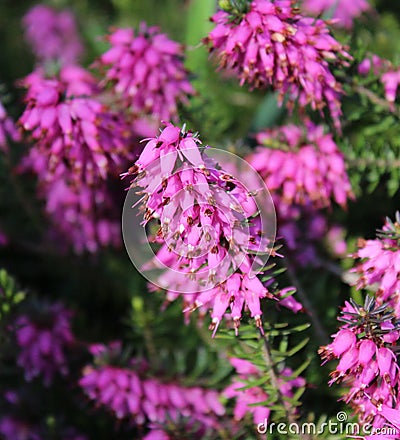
[
  {"x": 274, "y": 375},
  {"x": 319, "y": 329}
]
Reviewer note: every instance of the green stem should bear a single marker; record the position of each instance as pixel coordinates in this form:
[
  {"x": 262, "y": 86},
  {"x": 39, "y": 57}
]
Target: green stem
[
  {"x": 274, "y": 377},
  {"x": 319, "y": 330}
]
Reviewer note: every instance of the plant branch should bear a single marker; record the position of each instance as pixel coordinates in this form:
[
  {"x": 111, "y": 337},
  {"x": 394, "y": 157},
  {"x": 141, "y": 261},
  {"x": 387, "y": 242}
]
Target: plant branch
[
  {"x": 319, "y": 330},
  {"x": 274, "y": 376}
]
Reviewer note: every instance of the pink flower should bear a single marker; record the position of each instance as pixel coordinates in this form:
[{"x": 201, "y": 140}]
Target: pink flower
[
  {"x": 367, "y": 362},
  {"x": 246, "y": 400},
  {"x": 379, "y": 264},
  {"x": 84, "y": 217},
  {"x": 209, "y": 229},
  {"x": 74, "y": 133},
  {"x": 52, "y": 35},
  {"x": 43, "y": 342},
  {"x": 147, "y": 72},
  {"x": 271, "y": 44},
  {"x": 388, "y": 74},
  {"x": 78, "y": 144},
  {"x": 302, "y": 166},
  {"x": 344, "y": 12},
  {"x": 8, "y": 130},
  {"x": 148, "y": 401}
]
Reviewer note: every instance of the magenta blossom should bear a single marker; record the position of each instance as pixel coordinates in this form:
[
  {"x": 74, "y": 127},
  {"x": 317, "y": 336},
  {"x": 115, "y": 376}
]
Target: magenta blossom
[
  {"x": 8, "y": 130},
  {"x": 52, "y": 35},
  {"x": 131, "y": 394},
  {"x": 379, "y": 264},
  {"x": 147, "y": 71},
  {"x": 83, "y": 216},
  {"x": 302, "y": 166},
  {"x": 271, "y": 44},
  {"x": 43, "y": 340},
  {"x": 208, "y": 227},
  {"x": 388, "y": 74},
  {"x": 74, "y": 134},
  {"x": 246, "y": 399},
  {"x": 367, "y": 362},
  {"x": 344, "y": 12}
]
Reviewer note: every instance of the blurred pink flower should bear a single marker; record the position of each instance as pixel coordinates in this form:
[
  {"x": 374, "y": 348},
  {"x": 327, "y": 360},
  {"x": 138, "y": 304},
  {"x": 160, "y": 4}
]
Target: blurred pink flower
[
  {"x": 147, "y": 71},
  {"x": 246, "y": 399},
  {"x": 43, "y": 340},
  {"x": 148, "y": 401},
  {"x": 53, "y": 35},
  {"x": 343, "y": 11},
  {"x": 8, "y": 130},
  {"x": 302, "y": 166}
]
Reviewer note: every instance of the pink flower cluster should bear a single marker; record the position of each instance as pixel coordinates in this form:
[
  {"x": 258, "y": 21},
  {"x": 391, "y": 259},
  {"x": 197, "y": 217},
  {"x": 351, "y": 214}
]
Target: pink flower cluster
[
  {"x": 43, "y": 340},
  {"x": 8, "y": 130},
  {"x": 147, "y": 71},
  {"x": 389, "y": 75},
  {"x": 301, "y": 166},
  {"x": 83, "y": 216},
  {"x": 73, "y": 132},
  {"x": 379, "y": 264},
  {"x": 344, "y": 12},
  {"x": 207, "y": 241},
  {"x": 367, "y": 362},
  {"x": 52, "y": 35},
  {"x": 129, "y": 393},
  {"x": 78, "y": 144},
  {"x": 271, "y": 44},
  {"x": 247, "y": 399}
]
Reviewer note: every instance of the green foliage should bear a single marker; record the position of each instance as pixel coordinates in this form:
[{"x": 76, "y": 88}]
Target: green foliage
[{"x": 10, "y": 296}]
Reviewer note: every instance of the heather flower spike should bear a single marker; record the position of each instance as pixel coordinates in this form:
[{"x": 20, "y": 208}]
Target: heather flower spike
[
  {"x": 366, "y": 346},
  {"x": 247, "y": 398},
  {"x": 131, "y": 394},
  {"x": 52, "y": 35},
  {"x": 301, "y": 166},
  {"x": 270, "y": 44},
  {"x": 44, "y": 341},
  {"x": 379, "y": 264},
  {"x": 78, "y": 143},
  {"x": 213, "y": 236},
  {"x": 147, "y": 72},
  {"x": 343, "y": 12},
  {"x": 8, "y": 129}
]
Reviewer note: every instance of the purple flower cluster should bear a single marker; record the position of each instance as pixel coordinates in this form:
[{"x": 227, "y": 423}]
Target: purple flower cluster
[
  {"x": 304, "y": 230},
  {"x": 130, "y": 394},
  {"x": 8, "y": 130},
  {"x": 52, "y": 35},
  {"x": 78, "y": 144},
  {"x": 271, "y": 44},
  {"x": 43, "y": 341},
  {"x": 368, "y": 363},
  {"x": 344, "y": 12},
  {"x": 379, "y": 264},
  {"x": 389, "y": 75},
  {"x": 147, "y": 71},
  {"x": 74, "y": 133},
  {"x": 247, "y": 399},
  {"x": 207, "y": 240},
  {"x": 302, "y": 166}
]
